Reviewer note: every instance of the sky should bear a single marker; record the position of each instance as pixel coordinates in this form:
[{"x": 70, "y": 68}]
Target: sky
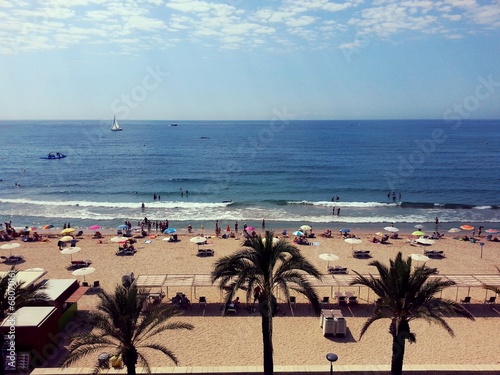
[{"x": 249, "y": 59}]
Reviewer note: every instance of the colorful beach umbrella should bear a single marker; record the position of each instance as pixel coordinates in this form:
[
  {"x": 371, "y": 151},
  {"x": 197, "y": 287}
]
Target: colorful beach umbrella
[
  {"x": 48, "y": 226},
  {"x": 67, "y": 231},
  {"x": 66, "y": 238},
  {"x": 467, "y": 227},
  {"x": 418, "y": 233},
  {"x": 170, "y": 230},
  {"x": 492, "y": 231},
  {"x": 345, "y": 230},
  {"x": 250, "y": 229},
  {"x": 298, "y": 233},
  {"x": 95, "y": 227},
  {"x": 306, "y": 227}
]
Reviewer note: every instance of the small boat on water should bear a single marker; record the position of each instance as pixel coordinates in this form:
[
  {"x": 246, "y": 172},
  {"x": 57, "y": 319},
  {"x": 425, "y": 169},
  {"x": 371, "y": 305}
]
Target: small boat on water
[
  {"x": 174, "y": 124},
  {"x": 115, "y": 127},
  {"x": 52, "y": 156}
]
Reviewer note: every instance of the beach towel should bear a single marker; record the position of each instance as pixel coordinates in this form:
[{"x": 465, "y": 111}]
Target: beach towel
[
  {"x": 315, "y": 243},
  {"x": 148, "y": 241}
]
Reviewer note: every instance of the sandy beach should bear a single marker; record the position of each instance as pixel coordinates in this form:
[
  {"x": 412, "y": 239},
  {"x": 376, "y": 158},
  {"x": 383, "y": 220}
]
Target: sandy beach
[{"x": 236, "y": 340}]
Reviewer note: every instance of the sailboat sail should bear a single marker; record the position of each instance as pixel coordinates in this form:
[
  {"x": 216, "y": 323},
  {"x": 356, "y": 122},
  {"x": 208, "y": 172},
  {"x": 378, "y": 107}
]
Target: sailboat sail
[{"x": 115, "y": 126}]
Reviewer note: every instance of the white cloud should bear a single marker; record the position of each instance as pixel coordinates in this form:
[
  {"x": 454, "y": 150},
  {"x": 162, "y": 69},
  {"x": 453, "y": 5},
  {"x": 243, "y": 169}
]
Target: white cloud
[{"x": 452, "y": 17}]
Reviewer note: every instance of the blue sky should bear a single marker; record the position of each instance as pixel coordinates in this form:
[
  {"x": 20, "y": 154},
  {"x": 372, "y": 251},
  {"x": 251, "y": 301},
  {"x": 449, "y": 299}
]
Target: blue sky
[{"x": 258, "y": 60}]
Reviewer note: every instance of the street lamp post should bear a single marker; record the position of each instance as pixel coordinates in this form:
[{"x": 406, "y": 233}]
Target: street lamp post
[{"x": 332, "y": 358}]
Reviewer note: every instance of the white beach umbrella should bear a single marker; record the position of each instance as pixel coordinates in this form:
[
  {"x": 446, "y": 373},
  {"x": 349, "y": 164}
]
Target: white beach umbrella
[
  {"x": 419, "y": 257},
  {"x": 83, "y": 272},
  {"x": 353, "y": 241},
  {"x": 70, "y": 251},
  {"x": 425, "y": 241},
  {"x": 391, "y": 229},
  {"x": 10, "y": 246},
  {"x": 329, "y": 257},
  {"x": 198, "y": 239},
  {"x": 454, "y": 230}
]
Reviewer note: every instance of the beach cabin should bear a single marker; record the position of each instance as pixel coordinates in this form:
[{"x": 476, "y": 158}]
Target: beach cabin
[
  {"x": 64, "y": 295},
  {"x": 29, "y": 331}
]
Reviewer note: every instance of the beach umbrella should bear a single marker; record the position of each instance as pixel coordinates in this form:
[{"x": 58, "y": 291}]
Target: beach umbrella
[
  {"x": 353, "y": 241},
  {"x": 10, "y": 246},
  {"x": 48, "y": 226},
  {"x": 329, "y": 257},
  {"x": 298, "y": 233},
  {"x": 345, "y": 230},
  {"x": 70, "y": 251},
  {"x": 379, "y": 234},
  {"x": 419, "y": 257},
  {"x": 95, "y": 227},
  {"x": 250, "y": 229},
  {"x": 83, "y": 272},
  {"x": 419, "y": 226},
  {"x": 67, "y": 231},
  {"x": 453, "y": 230},
  {"x": 467, "y": 227},
  {"x": 198, "y": 239},
  {"x": 306, "y": 227},
  {"x": 391, "y": 229},
  {"x": 492, "y": 231},
  {"x": 170, "y": 230},
  {"x": 118, "y": 239},
  {"x": 418, "y": 233},
  {"x": 123, "y": 226},
  {"x": 425, "y": 241},
  {"x": 66, "y": 238}
]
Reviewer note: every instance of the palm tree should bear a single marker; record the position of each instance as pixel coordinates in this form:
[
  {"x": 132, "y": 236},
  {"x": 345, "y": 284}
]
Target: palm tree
[
  {"x": 271, "y": 265},
  {"x": 119, "y": 325},
  {"x": 405, "y": 295},
  {"x": 23, "y": 295}
]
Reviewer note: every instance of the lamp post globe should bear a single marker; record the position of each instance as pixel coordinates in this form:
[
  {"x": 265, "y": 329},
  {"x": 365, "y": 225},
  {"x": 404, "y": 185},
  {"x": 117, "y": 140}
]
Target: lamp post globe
[{"x": 332, "y": 357}]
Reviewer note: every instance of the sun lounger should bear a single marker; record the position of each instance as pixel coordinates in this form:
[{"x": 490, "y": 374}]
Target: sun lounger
[
  {"x": 80, "y": 263},
  {"x": 12, "y": 258},
  {"x": 338, "y": 270}
]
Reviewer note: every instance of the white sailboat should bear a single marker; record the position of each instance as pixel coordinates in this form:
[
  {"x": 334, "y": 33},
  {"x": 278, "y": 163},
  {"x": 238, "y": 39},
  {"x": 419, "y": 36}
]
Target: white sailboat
[{"x": 115, "y": 127}]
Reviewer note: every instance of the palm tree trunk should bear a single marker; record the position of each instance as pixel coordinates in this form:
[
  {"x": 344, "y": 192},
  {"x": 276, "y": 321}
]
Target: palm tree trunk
[
  {"x": 398, "y": 352},
  {"x": 267, "y": 338},
  {"x": 399, "y": 337},
  {"x": 130, "y": 368}
]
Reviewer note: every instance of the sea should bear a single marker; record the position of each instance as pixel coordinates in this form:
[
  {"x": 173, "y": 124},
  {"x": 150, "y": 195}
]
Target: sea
[{"x": 326, "y": 174}]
